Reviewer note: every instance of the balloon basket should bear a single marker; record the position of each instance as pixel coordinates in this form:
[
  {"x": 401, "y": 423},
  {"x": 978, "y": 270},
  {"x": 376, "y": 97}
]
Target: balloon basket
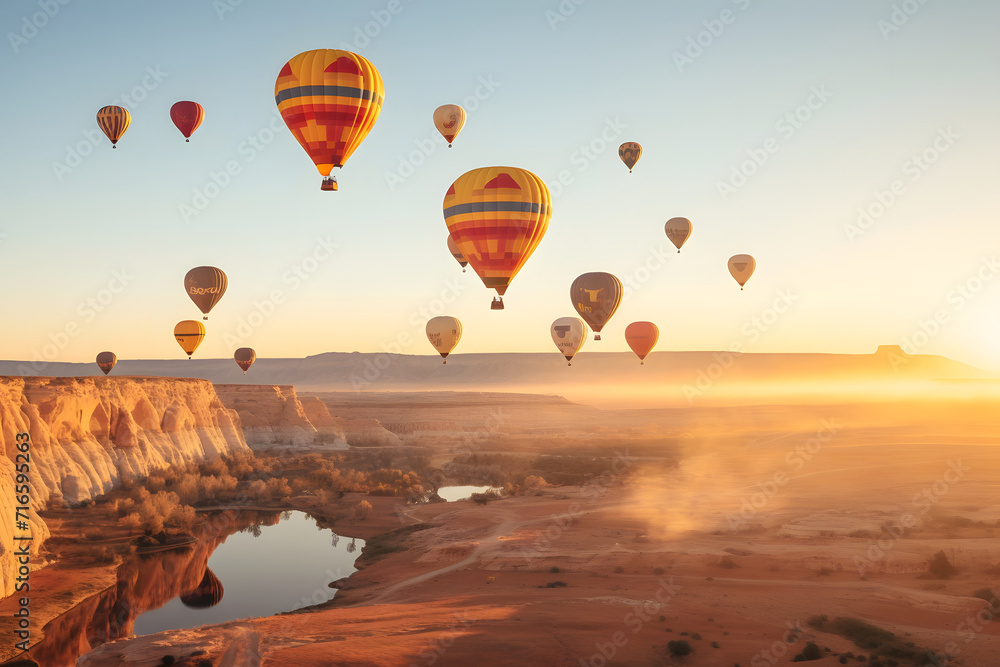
[
  {"x": 497, "y": 304},
  {"x": 597, "y": 336},
  {"x": 329, "y": 185}
]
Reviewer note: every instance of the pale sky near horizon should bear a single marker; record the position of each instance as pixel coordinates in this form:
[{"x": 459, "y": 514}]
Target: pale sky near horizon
[{"x": 899, "y": 101}]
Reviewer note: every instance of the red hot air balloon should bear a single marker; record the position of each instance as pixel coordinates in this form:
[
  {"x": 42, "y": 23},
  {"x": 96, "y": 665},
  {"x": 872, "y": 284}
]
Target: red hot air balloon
[{"x": 187, "y": 116}]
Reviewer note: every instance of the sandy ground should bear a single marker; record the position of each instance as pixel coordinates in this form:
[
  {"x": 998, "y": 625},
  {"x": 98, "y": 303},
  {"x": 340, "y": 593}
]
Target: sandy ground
[{"x": 734, "y": 526}]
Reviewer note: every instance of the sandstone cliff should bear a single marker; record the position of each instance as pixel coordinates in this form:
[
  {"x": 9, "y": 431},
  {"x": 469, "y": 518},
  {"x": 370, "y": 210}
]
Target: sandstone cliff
[
  {"x": 90, "y": 434},
  {"x": 272, "y": 415}
]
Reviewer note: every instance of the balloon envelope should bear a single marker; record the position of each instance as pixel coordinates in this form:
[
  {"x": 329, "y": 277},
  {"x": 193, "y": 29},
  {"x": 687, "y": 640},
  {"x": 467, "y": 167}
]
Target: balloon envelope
[
  {"x": 449, "y": 121},
  {"x": 187, "y": 116},
  {"x": 205, "y": 285},
  {"x": 189, "y": 335},
  {"x": 497, "y": 217},
  {"x": 456, "y": 253},
  {"x": 245, "y": 356},
  {"x": 641, "y": 337},
  {"x": 207, "y": 594},
  {"x": 444, "y": 333},
  {"x": 106, "y": 361},
  {"x": 568, "y": 333},
  {"x": 113, "y": 121},
  {"x": 742, "y": 267},
  {"x": 596, "y": 296},
  {"x": 330, "y": 100},
  {"x": 630, "y": 152},
  {"x": 678, "y": 230}
]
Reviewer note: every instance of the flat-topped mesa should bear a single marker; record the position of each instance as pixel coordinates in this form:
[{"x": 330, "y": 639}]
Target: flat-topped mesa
[
  {"x": 90, "y": 434},
  {"x": 273, "y": 416}
]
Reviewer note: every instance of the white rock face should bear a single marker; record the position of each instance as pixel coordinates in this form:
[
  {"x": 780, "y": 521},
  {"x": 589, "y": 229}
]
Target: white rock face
[
  {"x": 90, "y": 434},
  {"x": 272, "y": 415}
]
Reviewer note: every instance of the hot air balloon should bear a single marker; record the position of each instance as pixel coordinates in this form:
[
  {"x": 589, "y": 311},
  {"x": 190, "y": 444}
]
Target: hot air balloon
[
  {"x": 596, "y": 297},
  {"x": 205, "y": 285},
  {"x": 641, "y": 337},
  {"x": 444, "y": 333},
  {"x": 742, "y": 267},
  {"x": 678, "y": 230},
  {"x": 106, "y": 361},
  {"x": 113, "y": 121},
  {"x": 207, "y": 594},
  {"x": 245, "y": 356},
  {"x": 456, "y": 253},
  {"x": 569, "y": 333},
  {"x": 187, "y": 116},
  {"x": 330, "y": 100},
  {"x": 497, "y": 217},
  {"x": 189, "y": 335},
  {"x": 449, "y": 121},
  {"x": 630, "y": 152}
]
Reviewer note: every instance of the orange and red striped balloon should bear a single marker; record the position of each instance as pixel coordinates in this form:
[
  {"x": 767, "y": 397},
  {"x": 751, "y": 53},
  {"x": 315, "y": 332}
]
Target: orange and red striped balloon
[
  {"x": 330, "y": 100},
  {"x": 113, "y": 121},
  {"x": 497, "y": 217}
]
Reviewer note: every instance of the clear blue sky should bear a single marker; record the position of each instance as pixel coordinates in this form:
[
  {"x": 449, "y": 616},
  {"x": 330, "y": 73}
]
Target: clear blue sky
[{"x": 879, "y": 97}]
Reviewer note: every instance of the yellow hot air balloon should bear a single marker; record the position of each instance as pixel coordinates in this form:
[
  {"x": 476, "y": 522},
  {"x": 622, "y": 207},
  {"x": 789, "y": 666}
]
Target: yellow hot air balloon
[
  {"x": 678, "y": 230},
  {"x": 244, "y": 357},
  {"x": 330, "y": 100},
  {"x": 742, "y": 267},
  {"x": 449, "y": 121},
  {"x": 456, "y": 253},
  {"x": 596, "y": 296},
  {"x": 113, "y": 121},
  {"x": 497, "y": 217},
  {"x": 106, "y": 361},
  {"x": 444, "y": 333},
  {"x": 205, "y": 285},
  {"x": 569, "y": 333},
  {"x": 189, "y": 335},
  {"x": 642, "y": 337},
  {"x": 630, "y": 152}
]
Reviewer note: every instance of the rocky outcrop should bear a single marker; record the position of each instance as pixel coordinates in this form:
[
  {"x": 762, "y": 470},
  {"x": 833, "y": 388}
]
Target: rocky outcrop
[
  {"x": 424, "y": 427},
  {"x": 273, "y": 416},
  {"x": 327, "y": 427},
  {"x": 366, "y": 433},
  {"x": 90, "y": 434}
]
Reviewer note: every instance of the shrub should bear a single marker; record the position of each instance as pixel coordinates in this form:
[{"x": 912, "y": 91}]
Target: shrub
[
  {"x": 362, "y": 510},
  {"x": 810, "y": 652},
  {"x": 940, "y": 567},
  {"x": 727, "y": 563},
  {"x": 554, "y": 569},
  {"x": 679, "y": 648},
  {"x": 619, "y": 569}
]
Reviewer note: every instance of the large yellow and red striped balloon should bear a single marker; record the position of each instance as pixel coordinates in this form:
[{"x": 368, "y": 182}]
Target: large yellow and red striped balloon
[
  {"x": 497, "y": 217},
  {"x": 113, "y": 121},
  {"x": 330, "y": 100}
]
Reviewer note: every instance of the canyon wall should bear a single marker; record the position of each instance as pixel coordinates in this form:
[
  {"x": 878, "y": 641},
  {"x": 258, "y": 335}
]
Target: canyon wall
[
  {"x": 90, "y": 434},
  {"x": 273, "y": 416}
]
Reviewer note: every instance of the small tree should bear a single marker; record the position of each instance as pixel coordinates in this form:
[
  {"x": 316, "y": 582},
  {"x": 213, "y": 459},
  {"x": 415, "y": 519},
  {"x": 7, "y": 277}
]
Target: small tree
[{"x": 362, "y": 510}]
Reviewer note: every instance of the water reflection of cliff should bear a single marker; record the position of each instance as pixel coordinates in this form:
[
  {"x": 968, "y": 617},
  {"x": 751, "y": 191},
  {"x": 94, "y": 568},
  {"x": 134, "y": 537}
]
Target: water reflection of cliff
[{"x": 145, "y": 582}]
